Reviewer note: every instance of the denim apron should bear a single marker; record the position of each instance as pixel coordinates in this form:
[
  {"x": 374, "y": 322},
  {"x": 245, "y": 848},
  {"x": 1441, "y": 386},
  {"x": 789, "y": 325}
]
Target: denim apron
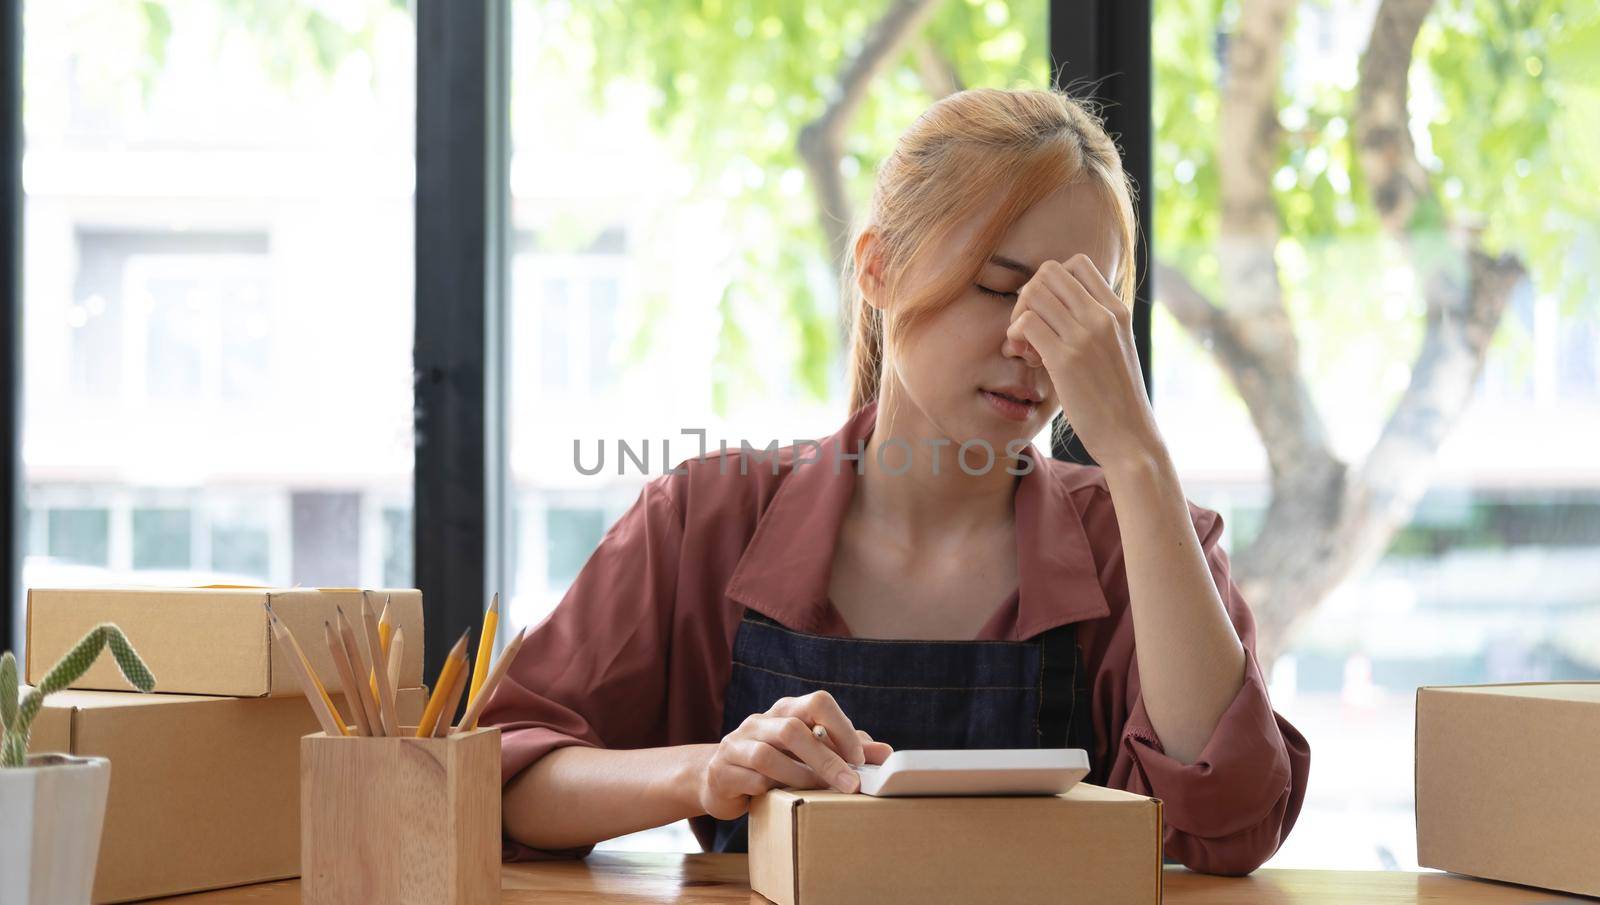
[{"x": 915, "y": 694}]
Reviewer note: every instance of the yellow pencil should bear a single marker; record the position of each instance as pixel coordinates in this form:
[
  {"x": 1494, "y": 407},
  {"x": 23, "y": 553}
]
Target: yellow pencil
[
  {"x": 441, "y": 726},
  {"x": 385, "y": 629},
  {"x": 454, "y": 663},
  {"x": 380, "y": 671},
  {"x": 316, "y": 694},
  {"x": 480, "y": 667},
  {"x": 469, "y": 720}
]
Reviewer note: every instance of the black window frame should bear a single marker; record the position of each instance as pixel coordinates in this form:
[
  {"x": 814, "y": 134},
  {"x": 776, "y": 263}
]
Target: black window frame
[
  {"x": 10, "y": 318},
  {"x": 1099, "y": 49}
]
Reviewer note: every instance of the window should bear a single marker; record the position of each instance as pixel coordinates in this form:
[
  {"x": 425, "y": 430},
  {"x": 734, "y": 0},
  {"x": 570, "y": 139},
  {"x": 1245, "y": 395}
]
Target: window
[
  {"x": 92, "y": 533},
  {"x": 180, "y": 318},
  {"x": 218, "y": 281},
  {"x": 396, "y": 547},
  {"x": 240, "y": 548},
  {"x": 78, "y": 536},
  {"x": 565, "y": 304},
  {"x": 1279, "y": 262},
  {"x": 162, "y": 539}
]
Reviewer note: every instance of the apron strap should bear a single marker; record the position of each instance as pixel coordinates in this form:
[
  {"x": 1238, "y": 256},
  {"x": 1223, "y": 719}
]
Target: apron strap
[{"x": 1061, "y": 678}]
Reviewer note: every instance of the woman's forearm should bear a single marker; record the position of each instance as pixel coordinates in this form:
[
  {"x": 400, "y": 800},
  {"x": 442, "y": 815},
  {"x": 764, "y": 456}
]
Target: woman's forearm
[
  {"x": 1191, "y": 662},
  {"x": 577, "y": 795}
]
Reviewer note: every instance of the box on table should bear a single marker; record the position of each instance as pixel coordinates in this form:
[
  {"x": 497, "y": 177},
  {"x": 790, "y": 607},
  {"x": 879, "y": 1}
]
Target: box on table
[
  {"x": 211, "y": 641},
  {"x": 1508, "y": 782},
  {"x": 401, "y": 820},
  {"x": 1089, "y": 844},
  {"x": 204, "y": 790}
]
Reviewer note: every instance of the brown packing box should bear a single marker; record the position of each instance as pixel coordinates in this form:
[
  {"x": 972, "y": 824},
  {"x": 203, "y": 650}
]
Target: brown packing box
[
  {"x": 205, "y": 791},
  {"x": 210, "y": 640},
  {"x": 1090, "y": 844},
  {"x": 1508, "y": 782}
]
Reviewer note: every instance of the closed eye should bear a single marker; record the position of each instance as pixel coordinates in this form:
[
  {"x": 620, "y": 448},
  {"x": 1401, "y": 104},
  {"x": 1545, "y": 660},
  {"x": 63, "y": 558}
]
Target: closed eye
[{"x": 1003, "y": 295}]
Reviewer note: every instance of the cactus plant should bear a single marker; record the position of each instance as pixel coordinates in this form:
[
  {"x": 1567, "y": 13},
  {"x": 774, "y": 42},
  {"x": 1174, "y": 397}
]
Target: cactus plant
[{"x": 16, "y": 717}]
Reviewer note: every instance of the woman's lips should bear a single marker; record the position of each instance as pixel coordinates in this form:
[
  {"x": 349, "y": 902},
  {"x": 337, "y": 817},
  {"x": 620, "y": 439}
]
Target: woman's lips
[{"x": 1009, "y": 407}]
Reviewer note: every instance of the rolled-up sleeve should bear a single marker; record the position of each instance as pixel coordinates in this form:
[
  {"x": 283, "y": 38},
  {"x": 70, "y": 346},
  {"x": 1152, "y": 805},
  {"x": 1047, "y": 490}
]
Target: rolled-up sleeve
[
  {"x": 1229, "y": 810},
  {"x": 593, "y": 672}
]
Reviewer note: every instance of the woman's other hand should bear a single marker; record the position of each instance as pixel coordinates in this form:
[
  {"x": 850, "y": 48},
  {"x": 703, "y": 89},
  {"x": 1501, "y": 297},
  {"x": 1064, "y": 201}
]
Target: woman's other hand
[{"x": 780, "y": 748}]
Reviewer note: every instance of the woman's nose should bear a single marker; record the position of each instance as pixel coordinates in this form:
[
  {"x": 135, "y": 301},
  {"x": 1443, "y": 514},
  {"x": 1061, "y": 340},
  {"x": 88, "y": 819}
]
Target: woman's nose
[{"x": 1020, "y": 348}]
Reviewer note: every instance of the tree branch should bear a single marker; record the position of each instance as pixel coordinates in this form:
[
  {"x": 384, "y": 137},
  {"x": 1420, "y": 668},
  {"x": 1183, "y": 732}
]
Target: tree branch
[
  {"x": 1252, "y": 331},
  {"x": 1250, "y": 133},
  {"x": 1387, "y": 156},
  {"x": 821, "y": 141},
  {"x": 1253, "y": 339},
  {"x": 1204, "y": 321},
  {"x": 1272, "y": 389},
  {"x": 1464, "y": 303}
]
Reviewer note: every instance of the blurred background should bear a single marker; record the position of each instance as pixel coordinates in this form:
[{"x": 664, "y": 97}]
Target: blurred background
[{"x": 1375, "y": 332}]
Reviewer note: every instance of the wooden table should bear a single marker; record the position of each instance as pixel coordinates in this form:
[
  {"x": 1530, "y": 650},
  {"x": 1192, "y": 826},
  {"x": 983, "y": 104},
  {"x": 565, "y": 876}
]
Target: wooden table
[{"x": 641, "y": 878}]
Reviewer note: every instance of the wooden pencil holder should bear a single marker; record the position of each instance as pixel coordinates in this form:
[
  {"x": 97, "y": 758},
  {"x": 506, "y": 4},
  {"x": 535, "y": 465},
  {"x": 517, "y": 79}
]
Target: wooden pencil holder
[{"x": 400, "y": 820}]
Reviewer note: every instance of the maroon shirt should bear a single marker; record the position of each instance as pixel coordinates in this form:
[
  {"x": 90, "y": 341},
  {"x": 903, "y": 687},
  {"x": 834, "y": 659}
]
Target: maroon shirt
[{"x": 639, "y": 650}]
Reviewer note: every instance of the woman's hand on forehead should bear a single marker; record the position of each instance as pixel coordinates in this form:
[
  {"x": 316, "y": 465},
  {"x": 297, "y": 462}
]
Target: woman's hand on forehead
[{"x": 1069, "y": 321}]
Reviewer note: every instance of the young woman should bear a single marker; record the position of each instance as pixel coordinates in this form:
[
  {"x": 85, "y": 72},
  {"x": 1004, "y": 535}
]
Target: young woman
[{"x": 897, "y": 585}]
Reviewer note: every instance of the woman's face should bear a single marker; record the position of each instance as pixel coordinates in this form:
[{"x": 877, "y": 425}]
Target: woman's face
[{"x": 953, "y": 365}]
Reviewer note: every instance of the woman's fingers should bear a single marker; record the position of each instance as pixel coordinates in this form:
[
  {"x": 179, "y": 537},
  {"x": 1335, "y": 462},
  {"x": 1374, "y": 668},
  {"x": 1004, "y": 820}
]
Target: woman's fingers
[
  {"x": 877, "y": 752},
  {"x": 1068, "y": 298},
  {"x": 1031, "y": 329},
  {"x": 762, "y": 757},
  {"x": 1092, "y": 280},
  {"x": 791, "y": 734},
  {"x": 728, "y": 788},
  {"x": 730, "y": 779},
  {"x": 1041, "y": 297},
  {"x": 820, "y": 708}
]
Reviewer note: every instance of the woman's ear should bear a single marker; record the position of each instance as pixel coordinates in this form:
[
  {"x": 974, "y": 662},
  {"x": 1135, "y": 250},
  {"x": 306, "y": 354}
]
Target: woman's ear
[{"x": 869, "y": 267}]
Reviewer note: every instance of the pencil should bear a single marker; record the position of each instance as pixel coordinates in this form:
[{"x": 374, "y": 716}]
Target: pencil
[
  {"x": 357, "y": 664},
  {"x": 397, "y": 646},
  {"x": 480, "y": 667},
  {"x": 316, "y": 694},
  {"x": 454, "y": 662},
  {"x": 469, "y": 720},
  {"x": 380, "y": 671},
  {"x": 347, "y": 676},
  {"x": 441, "y": 726},
  {"x": 385, "y": 629}
]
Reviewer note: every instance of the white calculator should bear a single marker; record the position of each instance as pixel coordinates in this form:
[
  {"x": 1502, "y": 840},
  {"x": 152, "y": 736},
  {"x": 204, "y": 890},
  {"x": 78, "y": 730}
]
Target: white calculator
[{"x": 981, "y": 771}]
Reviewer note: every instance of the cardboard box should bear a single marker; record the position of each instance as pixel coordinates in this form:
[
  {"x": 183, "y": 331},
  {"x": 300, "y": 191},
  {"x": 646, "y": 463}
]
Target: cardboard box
[
  {"x": 1090, "y": 844},
  {"x": 1508, "y": 782},
  {"x": 211, "y": 641},
  {"x": 205, "y": 791}
]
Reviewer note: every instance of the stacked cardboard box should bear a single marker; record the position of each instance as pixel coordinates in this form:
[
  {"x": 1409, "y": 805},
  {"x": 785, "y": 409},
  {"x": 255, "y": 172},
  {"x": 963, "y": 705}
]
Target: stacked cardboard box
[{"x": 205, "y": 771}]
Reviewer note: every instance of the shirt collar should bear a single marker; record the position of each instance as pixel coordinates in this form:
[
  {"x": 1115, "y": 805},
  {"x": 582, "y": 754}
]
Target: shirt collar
[{"x": 784, "y": 570}]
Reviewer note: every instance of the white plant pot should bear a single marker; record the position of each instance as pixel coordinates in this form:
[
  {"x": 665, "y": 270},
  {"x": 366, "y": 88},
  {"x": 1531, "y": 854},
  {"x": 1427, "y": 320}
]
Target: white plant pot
[{"x": 51, "y": 814}]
